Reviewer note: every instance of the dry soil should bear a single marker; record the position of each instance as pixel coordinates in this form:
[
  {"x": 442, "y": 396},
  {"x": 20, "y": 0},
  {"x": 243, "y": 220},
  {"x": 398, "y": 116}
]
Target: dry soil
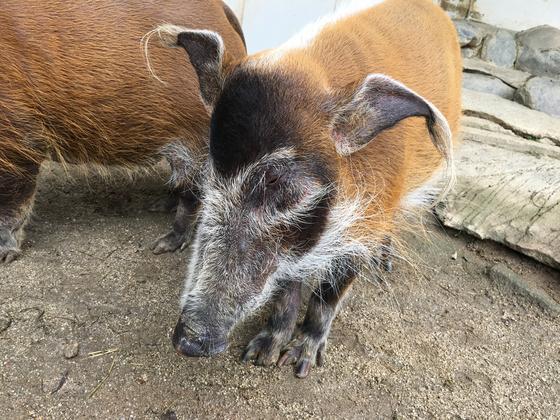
[{"x": 439, "y": 338}]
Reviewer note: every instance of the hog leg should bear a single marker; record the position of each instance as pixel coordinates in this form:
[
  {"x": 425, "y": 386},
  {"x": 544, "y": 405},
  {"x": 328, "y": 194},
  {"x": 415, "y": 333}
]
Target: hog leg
[
  {"x": 17, "y": 192},
  {"x": 166, "y": 205},
  {"x": 185, "y": 197},
  {"x": 307, "y": 348},
  {"x": 183, "y": 225},
  {"x": 265, "y": 348}
]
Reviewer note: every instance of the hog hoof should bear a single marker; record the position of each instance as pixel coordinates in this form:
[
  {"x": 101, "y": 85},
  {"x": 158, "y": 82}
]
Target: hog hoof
[
  {"x": 9, "y": 249},
  {"x": 264, "y": 349},
  {"x": 168, "y": 243},
  {"x": 305, "y": 353},
  {"x": 8, "y": 256}
]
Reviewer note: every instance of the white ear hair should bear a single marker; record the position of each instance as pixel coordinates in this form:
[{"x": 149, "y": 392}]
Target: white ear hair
[
  {"x": 206, "y": 50},
  {"x": 167, "y": 34}
]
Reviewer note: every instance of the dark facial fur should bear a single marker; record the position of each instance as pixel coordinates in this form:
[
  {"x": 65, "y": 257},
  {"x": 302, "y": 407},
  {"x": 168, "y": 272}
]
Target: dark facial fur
[{"x": 266, "y": 201}]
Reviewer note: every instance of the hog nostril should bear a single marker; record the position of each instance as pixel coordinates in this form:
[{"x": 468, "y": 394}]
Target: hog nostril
[
  {"x": 194, "y": 346},
  {"x": 190, "y": 348}
]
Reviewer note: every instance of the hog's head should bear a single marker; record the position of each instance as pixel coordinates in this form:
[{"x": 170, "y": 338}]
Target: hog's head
[{"x": 271, "y": 209}]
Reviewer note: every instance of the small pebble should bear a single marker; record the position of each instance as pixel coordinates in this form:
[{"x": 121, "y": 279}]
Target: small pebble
[
  {"x": 454, "y": 256},
  {"x": 71, "y": 349},
  {"x": 5, "y": 323},
  {"x": 507, "y": 318},
  {"x": 169, "y": 415}
]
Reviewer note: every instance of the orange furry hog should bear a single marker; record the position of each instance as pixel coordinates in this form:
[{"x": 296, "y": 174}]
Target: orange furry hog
[
  {"x": 74, "y": 87},
  {"x": 315, "y": 148}
]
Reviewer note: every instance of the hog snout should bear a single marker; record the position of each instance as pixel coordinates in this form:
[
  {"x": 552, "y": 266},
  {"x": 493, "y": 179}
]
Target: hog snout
[{"x": 188, "y": 344}]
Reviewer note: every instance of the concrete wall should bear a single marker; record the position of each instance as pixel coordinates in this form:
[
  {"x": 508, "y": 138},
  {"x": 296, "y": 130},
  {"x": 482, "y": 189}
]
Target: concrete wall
[
  {"x": 519, "y": 14},
  {"x": 267, "y": 23}
]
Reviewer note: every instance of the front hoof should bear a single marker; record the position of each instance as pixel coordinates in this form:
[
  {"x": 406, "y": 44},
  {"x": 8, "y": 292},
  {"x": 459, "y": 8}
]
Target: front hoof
[
  {"x": 8, "y": 256},
  {"x": 305, "y": 353},
  {"x": 168, "y": 243},
  {"x": 9, "y": 249},
  {"x": 264, "y": 349}
]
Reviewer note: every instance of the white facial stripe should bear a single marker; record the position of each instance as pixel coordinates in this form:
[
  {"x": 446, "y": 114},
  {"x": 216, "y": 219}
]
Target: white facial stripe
[
  {"x": 336, "y": 242},
  {"x": 426, "y": 195},
  {"x": 314, "y": 193}
]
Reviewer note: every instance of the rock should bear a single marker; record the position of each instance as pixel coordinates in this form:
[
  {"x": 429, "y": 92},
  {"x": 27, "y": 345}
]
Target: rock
[
  {"x": 510, "y": 141},
  {"x": 5, "y": 323},
  {"x": 542, "y": 94},
  {"x": 471, "y": 33},
  {"x": 546, "y": 141},
  {"x": 468, "y": 53},
  {"x": 511, "y": 77},
  {"x": 507, "y": 190},
  {"x": 543, "y": 37},
  {"x": 71, "y": 350},
  {"x": 511, "y": 115},
  {"x": 500, "y": 48},
  {"x": 456, "y": 8},
  {"x": 487, "y": 84},
  {"x": 168, "y": 415},
  {"x": 482, "y": 124},
  {"x": 539, "y": 51},
  {"x": 467, "y": 33},
  {"x": 505, "y": 277}
]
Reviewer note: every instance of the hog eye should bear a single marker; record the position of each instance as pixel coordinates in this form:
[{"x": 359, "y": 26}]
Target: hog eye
[
  {"x": 272, "y": 176},
  {"x": 272, "y": 188}
]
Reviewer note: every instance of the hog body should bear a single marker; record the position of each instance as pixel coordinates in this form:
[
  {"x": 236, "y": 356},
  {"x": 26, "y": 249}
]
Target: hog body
[
  {"x": 315, "y": 148},
  {"x": 74, "y": 87}
]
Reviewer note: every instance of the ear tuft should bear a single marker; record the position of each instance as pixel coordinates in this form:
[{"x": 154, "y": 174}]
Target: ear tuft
[
  {"x": 206, "y": 52},
  {"x": 379, "y": 104}
]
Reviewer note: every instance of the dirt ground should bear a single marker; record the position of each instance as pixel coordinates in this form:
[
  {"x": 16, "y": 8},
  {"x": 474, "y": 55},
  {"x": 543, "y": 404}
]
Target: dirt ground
[{"x": 439, "y": 339}]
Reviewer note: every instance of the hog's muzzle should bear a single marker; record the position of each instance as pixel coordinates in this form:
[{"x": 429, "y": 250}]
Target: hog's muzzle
[{"x": 187, "y": 344}]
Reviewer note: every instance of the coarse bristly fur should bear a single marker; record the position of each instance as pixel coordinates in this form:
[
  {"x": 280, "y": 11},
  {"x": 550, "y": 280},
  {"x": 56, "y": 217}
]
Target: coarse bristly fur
[
  {"x": 93, "y": 101},
  {"x": 317, "y": 148},
  {"x": 74, "y": 88},
  {"x": 298, "y": 191}
]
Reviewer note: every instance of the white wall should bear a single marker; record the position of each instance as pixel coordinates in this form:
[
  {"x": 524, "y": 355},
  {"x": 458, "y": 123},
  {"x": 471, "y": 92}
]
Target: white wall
[
  {"x": 520, "y": 14},
  {"x": 267, "y": 23}
]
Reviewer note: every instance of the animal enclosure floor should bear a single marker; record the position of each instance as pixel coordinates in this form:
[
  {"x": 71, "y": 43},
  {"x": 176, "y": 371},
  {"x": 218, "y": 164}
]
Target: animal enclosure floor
[{"x": 86, "y": 315}]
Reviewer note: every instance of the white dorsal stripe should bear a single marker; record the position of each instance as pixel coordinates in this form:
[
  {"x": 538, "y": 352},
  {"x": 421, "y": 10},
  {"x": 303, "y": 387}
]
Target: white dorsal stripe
[{"x": 306, "y": 36}]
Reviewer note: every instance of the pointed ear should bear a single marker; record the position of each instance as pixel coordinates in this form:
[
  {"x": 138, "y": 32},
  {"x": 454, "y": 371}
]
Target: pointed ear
[
  {"x": 378, "y": 104},
  {"x": 207, "y": 54}
]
